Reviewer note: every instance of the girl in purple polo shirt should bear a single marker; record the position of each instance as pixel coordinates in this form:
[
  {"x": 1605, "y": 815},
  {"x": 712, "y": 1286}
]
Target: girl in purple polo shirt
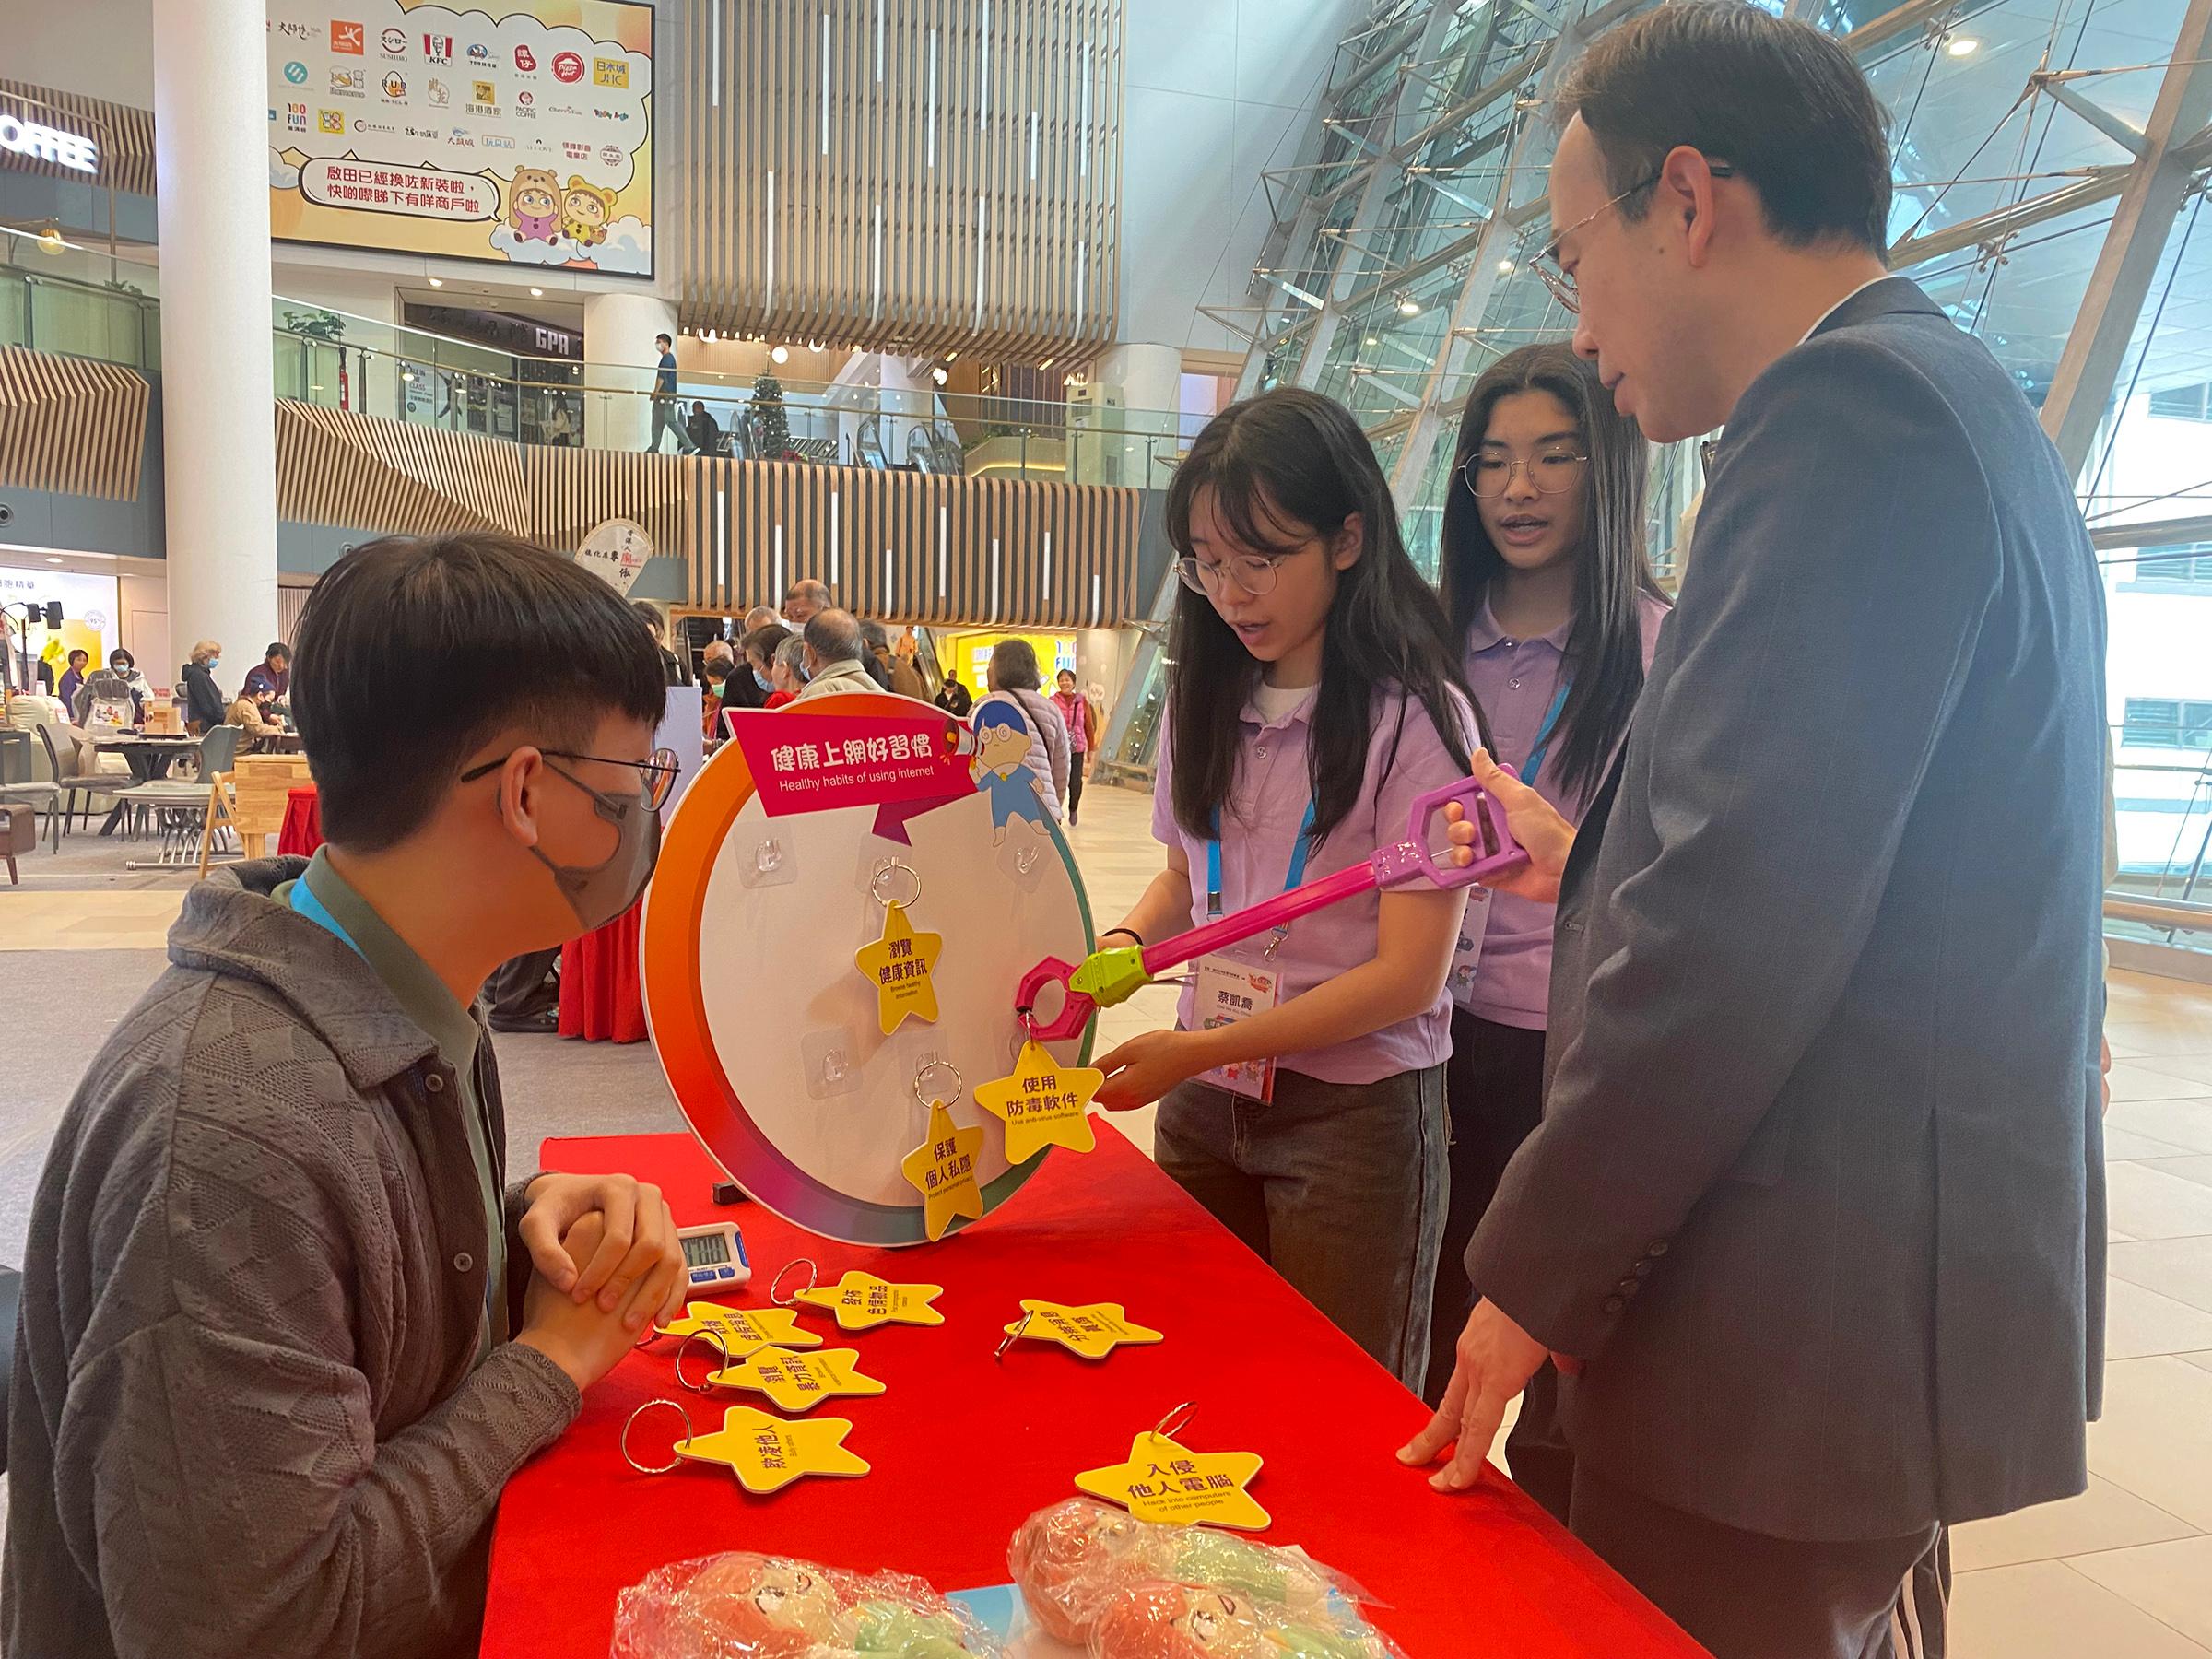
[
  {"x": 1314, "y": 692},
  {"x": 1547, "y": 585}
]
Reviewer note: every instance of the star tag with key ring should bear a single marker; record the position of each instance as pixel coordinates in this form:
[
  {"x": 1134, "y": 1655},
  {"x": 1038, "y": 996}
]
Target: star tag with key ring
[
  {"x": 899, "y": 964},
  {"x": 799, "y": 1382},
  {"x": 1042, "y": 1103},
  {"x": 741, "y": 1331},
  {"x": 765, "y": 1452},
  {"x": 1093, "y": 1330},
  {"x": 1166, "y": 1481},
  {"x": 862, "y": 1301},
  {"x": 942, "y": 1169}
]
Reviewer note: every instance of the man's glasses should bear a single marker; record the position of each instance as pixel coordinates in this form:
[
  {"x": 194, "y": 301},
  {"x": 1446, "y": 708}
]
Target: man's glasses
[
  {"x": 1555, "y": 472},
  {"x": 1554, "y": 276},
  {"x": 656, "y": 775}
]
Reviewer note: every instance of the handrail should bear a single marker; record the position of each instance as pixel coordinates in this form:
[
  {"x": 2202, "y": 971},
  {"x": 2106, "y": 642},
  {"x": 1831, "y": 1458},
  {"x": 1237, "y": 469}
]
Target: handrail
[{"x": 2184, "y": 914}]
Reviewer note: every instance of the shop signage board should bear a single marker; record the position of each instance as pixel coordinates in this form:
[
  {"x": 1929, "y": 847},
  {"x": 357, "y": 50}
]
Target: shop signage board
[{"x": 523, "y": 139}]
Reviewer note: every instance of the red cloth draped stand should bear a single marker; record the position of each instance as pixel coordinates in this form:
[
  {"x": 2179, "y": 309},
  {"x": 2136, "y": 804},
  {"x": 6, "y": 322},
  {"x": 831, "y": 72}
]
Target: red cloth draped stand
[
  {"x": 600, "y": 998},
  {"x": 303, "y": 832},
  {"x": 964, "y": 1447}
]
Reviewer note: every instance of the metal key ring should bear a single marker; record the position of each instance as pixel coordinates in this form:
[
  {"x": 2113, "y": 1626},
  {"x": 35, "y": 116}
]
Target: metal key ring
[
  {"x": 713, "y": 1336},
  {"x": 675, "y": 1458},
  {"x": 959, "y": 1082},
  {"x": 775, "y": 1286},
  {"x": 886, "y": 869},
  {"x": 1176, "y": 1421}
]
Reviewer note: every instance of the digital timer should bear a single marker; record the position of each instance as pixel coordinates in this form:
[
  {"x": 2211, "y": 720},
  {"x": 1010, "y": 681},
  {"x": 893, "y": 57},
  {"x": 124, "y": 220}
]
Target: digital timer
[{"x": 714, "y": 1256}]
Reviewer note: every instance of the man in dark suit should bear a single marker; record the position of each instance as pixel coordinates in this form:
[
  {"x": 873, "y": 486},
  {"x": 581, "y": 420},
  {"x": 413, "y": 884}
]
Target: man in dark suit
[{"x": 1814, "y": 1221}]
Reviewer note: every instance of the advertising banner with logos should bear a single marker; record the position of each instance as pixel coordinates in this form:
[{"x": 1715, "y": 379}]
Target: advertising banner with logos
[{"x": 521, "y": 133}]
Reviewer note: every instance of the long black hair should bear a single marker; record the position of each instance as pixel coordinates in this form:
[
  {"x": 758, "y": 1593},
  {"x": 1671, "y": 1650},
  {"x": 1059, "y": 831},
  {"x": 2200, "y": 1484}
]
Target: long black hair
[
  {"x": 1604, "y": 647},
  {"x": 1284, "y": 466}
]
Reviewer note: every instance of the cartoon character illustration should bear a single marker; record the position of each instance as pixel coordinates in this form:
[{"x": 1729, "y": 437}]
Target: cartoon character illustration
[
  {"x": 534, "y": 203},
  {"x": 1002, "y": 751},
  {"x": 1195, "y": 1621},
  {"x": 583, "y": 211},
  {"x": 773, "y": 1608}
]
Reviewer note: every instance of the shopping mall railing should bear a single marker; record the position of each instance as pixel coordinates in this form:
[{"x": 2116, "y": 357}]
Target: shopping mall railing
[{"x": 56, "y": 295}]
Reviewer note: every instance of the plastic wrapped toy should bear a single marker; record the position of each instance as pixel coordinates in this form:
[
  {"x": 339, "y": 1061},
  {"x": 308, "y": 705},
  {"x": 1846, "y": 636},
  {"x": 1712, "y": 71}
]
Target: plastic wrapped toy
[
  {"x": 1071, "y": 1559},
  {"x": 743, "y": 1605},
  {"x": 1192, "y": 1621}
]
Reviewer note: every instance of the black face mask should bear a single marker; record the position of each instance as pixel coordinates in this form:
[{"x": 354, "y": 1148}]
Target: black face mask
[{"x": 600, "y": 893}]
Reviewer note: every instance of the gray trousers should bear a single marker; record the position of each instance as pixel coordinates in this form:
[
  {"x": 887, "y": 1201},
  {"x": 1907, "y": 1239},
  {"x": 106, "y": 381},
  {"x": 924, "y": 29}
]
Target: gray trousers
[{"x": 1339, "y": 1187}]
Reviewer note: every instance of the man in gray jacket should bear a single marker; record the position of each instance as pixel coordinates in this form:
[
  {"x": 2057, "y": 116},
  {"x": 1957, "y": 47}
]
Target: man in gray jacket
[
  {"x": 1813, "y": 1220},
  {"x": 287, "y": 1330}
]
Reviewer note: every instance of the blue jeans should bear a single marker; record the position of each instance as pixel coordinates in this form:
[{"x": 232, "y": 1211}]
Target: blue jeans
[{"x": 1339, "y": 1187}]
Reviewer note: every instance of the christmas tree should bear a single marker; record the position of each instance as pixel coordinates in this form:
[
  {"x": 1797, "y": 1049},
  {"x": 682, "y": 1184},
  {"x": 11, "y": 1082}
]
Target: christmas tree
[{"x": 772, "y": 429}]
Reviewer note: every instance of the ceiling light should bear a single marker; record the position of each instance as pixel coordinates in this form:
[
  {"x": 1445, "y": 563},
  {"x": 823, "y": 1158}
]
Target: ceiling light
[
  {"x": 813, "y": 344},
  {"x": 537, "y": 293},
  {"x": 1409, "y": 307},
  {"x": 51, "y": 240},
  {"x": 1046, "y": 364},
  {"x": 1371, "y": 340},
  {"x": 939, "y": 375},
  {"x": 779, "y": 355},
  {"x": 1505, "y": 267},
  {"x": 52, "y": 559},
  {"x": 436, "y": 282},
  {"x": 407, "y": 374},
  {"x": 1963, "y": 46}
]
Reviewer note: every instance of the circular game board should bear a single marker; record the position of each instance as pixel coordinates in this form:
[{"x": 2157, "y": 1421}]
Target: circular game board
[{"x": 768, "y": 1031}]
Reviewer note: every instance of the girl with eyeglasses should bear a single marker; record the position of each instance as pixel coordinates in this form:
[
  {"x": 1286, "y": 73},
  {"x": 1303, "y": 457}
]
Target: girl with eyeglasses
[
  {"x": 1313, "y": 691},
  {"x": 1547, "y": 585}
]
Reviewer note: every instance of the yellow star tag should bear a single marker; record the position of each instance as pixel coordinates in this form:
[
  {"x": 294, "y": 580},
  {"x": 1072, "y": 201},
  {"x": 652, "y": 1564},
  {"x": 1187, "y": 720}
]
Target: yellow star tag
[
  {"x": 799, "y": 1382},
  {"x": 862, "y": 1301},
  {"x": 1043, "y": 1105},
  {"x": 1168, "y": 1483},
  {"x": 741, "y": 1330},
  {"x": 1094, "y": 1330},
  {"x": 768, "y": 1454},
  {"x": 899, "y": 966},
  {"x": 943, "y": 1170}
]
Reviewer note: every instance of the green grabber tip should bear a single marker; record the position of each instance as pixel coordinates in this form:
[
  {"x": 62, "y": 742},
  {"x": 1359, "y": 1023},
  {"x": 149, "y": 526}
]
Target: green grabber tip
[{"x": 1107, "y": 977}]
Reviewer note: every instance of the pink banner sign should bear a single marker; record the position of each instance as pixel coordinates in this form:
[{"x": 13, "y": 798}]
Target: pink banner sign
[{"x": 905, "y": 764}]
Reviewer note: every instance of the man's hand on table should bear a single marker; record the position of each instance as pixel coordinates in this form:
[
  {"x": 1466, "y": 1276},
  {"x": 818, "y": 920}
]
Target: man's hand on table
[
  {"x": 585, "y": 1339},
  {"x": 634, "y": 1248},
  {"x": 1497, "y": 1358}
]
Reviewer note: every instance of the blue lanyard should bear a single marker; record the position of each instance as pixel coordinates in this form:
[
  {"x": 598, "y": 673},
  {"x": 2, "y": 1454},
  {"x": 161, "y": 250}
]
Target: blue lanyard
[
  {"x": 1213, "y": 861},
  {"x": 1543, "y": 743},
  {"x": 305, "y": 902}
]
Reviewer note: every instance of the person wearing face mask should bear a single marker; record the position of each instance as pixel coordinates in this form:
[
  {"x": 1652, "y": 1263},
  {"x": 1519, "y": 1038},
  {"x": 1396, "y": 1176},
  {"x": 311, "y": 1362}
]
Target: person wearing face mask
[
  {"x": 203, "y": 704},
  {"x": 761, "y": 645},
  {"x": 287, "y": 1165}
]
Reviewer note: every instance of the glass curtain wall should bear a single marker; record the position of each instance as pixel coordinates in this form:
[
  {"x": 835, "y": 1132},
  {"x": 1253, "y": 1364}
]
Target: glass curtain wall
[{"x": 2051, "y": 161}]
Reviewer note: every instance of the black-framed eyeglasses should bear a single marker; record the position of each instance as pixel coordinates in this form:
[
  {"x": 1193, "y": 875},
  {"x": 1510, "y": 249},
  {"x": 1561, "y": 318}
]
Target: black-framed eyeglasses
[
  {"x": 1554, "y": 276},
  {"x": 1554, "y": 472},
  {"x": 656, "y": 775}
]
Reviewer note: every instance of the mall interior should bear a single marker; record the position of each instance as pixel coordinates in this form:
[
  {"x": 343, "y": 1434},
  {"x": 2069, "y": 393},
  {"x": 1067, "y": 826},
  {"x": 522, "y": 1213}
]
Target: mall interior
[{"x": 913, "y": 310}]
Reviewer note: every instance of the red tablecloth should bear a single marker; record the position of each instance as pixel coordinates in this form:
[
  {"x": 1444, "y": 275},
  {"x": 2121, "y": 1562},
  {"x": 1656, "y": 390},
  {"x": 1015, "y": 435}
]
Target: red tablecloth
[
  {"x": 600, "y": 998},
  {"x": 303, "y": 832},
  {"x": 964, "y": 1448}
]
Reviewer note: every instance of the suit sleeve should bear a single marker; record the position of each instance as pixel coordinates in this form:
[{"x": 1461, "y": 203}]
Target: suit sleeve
[{"x": 1845, "y": 558}]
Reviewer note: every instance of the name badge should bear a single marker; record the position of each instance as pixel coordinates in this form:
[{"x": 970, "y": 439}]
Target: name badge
[
  {"x": 1466, "y": 956},
  {"x": 1229, "y": 989}
]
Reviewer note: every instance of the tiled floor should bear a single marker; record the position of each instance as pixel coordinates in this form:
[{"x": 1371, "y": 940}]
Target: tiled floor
[{"x": 2123, "y": 1572}]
